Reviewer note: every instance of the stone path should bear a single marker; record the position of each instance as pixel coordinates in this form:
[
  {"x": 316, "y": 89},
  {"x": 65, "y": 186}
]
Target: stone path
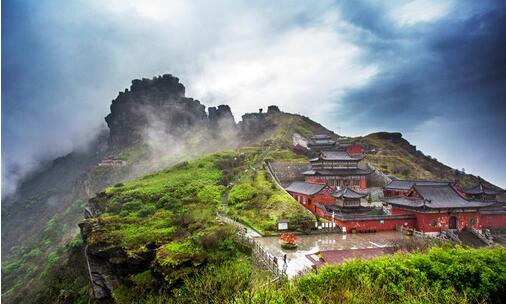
[
  {"x": 311, "y": 244},
  {"x": 249, "y": 232}
]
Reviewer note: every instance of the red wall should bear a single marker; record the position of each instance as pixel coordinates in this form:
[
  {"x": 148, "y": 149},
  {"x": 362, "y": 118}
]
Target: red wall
[
  {"x": 324, "y": 197},
  {"x": 315, "y": 180},
  {"x": 424, "y": 220},
  {"x": 493, "y": 220},
  {"x": 362, "y": 226},
  {"x": 355, "y": 149},
  {"x": 401, "y": 212},
  {"x": 388, "y": 224},
  {"x": 363, "y": 184}
]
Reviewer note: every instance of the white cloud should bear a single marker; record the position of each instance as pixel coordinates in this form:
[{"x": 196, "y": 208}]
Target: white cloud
[
  {"x": 295, "y": 68},
  {"x": 419, "y": 11},
  {"x": 245, "y": 54}
]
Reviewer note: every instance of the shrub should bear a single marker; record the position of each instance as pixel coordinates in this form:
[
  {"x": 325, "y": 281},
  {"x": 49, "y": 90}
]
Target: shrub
[
  {"x": 242, "y": 193},
  {"x": 146, "y": 210},
  {"x": 132, "y": 206},
  {"x": 442, "y": 275},
  {"x": 53, "y": 257}
]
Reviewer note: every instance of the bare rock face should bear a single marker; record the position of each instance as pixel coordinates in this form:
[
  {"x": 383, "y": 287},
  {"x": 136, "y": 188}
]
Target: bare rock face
[
  {"x": 157, "y": 103},
  {"x": 273, "y": 109},
  {"x": 221, "y": 117},
  {"x": 254, "y": 125}
]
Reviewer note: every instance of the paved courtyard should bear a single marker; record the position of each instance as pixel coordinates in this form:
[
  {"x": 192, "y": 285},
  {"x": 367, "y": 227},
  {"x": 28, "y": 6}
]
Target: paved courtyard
[{"x": 308, "y": 245}]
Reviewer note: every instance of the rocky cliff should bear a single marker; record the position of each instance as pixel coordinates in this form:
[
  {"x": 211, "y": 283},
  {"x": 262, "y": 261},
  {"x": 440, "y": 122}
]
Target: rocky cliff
[{"x": 152, "y": 103}]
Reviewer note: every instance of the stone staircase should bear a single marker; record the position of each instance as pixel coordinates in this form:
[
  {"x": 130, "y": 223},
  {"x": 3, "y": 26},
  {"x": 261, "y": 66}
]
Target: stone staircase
[{"x": 468, "y": 238}]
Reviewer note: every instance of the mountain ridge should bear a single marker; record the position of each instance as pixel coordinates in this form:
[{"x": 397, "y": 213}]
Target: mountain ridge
[{"x": 168, "y": 129}]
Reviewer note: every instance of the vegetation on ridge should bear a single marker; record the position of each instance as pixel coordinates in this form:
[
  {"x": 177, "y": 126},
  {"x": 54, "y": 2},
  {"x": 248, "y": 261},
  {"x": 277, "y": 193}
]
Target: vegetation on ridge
[
  {"x": 258, "y": 202},
  {"x": 441, "y": 275},
  {"x": 162, "y": 228},
  {"x": 165, "y": 223}
]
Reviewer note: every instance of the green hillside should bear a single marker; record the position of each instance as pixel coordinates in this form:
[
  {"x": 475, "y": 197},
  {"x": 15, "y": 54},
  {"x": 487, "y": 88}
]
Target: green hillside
[
  {"x": 160, "y": 236},
  {"x": 395, "y": 156},
  {"x": 164, "y": 221}
]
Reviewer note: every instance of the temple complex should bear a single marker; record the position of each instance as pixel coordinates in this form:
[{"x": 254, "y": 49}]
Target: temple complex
[
  {"x": 338, "y": 169},
  {"x": 335, "y": 187}
]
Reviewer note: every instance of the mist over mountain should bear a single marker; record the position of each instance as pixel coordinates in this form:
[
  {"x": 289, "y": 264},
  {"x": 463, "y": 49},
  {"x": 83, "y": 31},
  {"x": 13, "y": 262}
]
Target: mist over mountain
[{"x": 428, "y": 69}]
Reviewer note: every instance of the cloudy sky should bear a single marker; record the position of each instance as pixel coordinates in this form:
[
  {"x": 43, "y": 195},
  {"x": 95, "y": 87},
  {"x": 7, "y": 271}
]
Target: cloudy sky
[{"x": 433, "y": 70}]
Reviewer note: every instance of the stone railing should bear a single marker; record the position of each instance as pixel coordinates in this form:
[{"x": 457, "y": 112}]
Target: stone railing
[
  {"x": 486, "y": 238},
  {"x": 421, "y": 234},
  {"x": 275, "y": 265},
  {"x": 451, "y": 235}
]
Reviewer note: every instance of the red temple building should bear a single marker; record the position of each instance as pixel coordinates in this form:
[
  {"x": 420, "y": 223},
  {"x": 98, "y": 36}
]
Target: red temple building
[
  {"x": 401, "y": 187},
  {"x": 428, "y": 206},
  {"x": 441, "y": 206},
  {"x": 338, "y": 169},
  {"x": 351, "y": 148},
  {"x": 347, "y": 198},
  {"x": 332, "y": 189},
  {"x": 310, "y": 194}
]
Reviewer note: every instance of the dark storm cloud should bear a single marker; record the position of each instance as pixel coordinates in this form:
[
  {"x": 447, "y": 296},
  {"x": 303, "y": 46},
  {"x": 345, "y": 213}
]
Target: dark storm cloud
[
  {"x": 457, "y": 68},
  {"x": 443, "y": 84},
  {"x": 409, "y": 66}
]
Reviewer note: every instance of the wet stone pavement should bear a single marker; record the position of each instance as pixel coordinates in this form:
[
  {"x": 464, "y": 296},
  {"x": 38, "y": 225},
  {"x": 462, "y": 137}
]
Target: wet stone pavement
[{"x": 308, "y": 245}]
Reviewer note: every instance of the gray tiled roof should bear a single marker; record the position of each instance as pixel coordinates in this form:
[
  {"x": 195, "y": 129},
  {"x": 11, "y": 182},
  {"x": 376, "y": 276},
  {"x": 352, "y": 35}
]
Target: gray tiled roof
[
  {"x": 342, "y": 172},
  {"x": 322, "y": 142},
  {"x": 320, "y": 136},
  {"x": 480, "y": 189},
  {"x": 436, "y": 197},
  {"x": 347, "y": 193},
  {"x": 408, "y": 184},
  {"x": 336, "y": 155},
  {"x": 305, "y": 188}
]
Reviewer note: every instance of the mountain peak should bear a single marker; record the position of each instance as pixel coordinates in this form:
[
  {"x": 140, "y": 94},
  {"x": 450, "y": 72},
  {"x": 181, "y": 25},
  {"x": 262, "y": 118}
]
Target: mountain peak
[{"x": 159, "y": 102}]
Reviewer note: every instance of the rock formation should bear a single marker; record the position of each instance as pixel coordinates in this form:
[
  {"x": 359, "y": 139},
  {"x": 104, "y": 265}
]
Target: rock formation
[
  {"x": 159, "y": 102},
  {"x": 273, "y": 109},
  {"x": 221, "y": 117}
]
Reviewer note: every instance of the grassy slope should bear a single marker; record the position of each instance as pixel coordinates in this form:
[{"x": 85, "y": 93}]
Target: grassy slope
[
  {"x": 397, "y": 157},
  {"x": 170, "y": 216},
  {"x": 393, "y": 155},
  {"x": 259, "y": 203},
  {"x": 166, "y": 222}
]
